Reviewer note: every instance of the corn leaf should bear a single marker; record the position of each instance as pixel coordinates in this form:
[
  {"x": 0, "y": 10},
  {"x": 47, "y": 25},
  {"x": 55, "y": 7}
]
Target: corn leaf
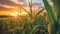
[
  {"x": 39, "y": 12},
  {"x": 49, "y": 9},
  {"x": 34, "y": 29},
  {"x": 51, "y": 15},
  {"x": 27, "y": 12},
  {"x": 30, "y": 6},
  {"x": 57, "y": 5}
]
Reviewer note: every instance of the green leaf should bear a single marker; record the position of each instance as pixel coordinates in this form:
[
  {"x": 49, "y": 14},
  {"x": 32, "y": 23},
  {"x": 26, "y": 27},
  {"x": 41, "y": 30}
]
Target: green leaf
[
  {"x": 34, "y": 29},
  {"x": 51, "y": 15},
  {"x": 57, "y": 6},
  {"x": 49, "y": 9},
  {"x": 27, "y": 12},
  {"x": 30, "y": 6},
  {"x": 39, "y": 12}
]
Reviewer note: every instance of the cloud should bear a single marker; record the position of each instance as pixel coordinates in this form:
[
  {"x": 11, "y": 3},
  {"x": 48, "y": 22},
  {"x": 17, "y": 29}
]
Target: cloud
[
  {"x": 18, "y": 2},
  {"x": 2, "y": 8},
  {"x": 8, "y": 2},
  {"x": 7, "y": 6},
  {"x": 5, "y": 2}
]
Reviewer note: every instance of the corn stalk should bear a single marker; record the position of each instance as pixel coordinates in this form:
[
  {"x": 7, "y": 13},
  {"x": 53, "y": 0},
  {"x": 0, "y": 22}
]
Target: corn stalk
[{"x": 53, "y": 15}]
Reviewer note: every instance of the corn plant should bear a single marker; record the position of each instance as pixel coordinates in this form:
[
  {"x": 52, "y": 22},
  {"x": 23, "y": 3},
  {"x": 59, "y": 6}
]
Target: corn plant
[
  {"x": 53, "y": 15},
  {"x": 32, "y": 23}
]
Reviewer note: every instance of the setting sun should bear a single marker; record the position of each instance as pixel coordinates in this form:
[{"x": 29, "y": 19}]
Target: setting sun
[{"x": 24, "y": 13}]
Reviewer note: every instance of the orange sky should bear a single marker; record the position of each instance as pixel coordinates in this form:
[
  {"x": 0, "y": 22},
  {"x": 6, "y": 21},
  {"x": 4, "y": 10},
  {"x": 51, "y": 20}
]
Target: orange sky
[{"x": 7, "y": 6}]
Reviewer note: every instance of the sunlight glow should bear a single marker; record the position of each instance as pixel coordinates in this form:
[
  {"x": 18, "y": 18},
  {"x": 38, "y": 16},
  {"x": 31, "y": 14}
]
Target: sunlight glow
[
  {"x": 23, "y": 13},
  {"x": 14, "y": 15},
  {"x": 8, "y": 13}
]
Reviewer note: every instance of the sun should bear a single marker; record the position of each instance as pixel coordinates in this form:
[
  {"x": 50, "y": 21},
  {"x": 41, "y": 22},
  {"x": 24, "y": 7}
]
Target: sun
[{"x": 23, "y": 13}]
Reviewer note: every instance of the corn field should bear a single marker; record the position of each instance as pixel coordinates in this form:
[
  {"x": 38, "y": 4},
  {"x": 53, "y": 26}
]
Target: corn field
[{"x": 48, "y": 23}]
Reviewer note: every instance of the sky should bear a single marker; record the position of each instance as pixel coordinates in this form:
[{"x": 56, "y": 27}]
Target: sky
[
  {"x": 37, "y": 1},
  {"x": 12, "y": 4}
]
